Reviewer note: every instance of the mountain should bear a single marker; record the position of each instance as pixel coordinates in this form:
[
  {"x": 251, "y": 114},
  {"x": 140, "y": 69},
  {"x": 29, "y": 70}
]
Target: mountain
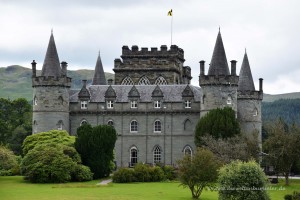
[{"x": 15, "y": 80}]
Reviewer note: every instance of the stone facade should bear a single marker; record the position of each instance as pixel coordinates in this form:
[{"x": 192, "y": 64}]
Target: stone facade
[{"x": 152, "y": 105}]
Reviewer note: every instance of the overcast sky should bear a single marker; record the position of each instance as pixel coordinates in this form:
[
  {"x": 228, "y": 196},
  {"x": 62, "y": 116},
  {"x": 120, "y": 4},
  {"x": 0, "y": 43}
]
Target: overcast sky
[{"x": 269, "y": 29}]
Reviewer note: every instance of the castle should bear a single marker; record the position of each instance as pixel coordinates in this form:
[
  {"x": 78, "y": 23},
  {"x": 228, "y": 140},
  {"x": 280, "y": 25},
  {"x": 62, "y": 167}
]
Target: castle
[{"x": 151, "y": 103}]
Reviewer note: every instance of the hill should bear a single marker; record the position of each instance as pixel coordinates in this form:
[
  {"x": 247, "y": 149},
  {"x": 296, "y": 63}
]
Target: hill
[{"x": 15, "y": 80}]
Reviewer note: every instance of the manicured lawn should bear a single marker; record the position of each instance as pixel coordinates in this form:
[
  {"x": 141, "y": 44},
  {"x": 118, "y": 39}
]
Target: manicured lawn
[{"x": 14, "y": 188}]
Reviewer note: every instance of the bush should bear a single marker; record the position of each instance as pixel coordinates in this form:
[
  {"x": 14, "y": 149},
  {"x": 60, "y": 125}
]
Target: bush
[
  {"x": 156, "y": 174},
  {"x": 142, "y": 172},
  {"x": 124, "y": 175},
  {"x": 242, "y": 180},
  {"x": 82, "y": 173},
  {"x": 169, "y": 172},
  {"x": 294, "y": 196},
  {"x": 8, "y": 162},
  {"x": 288, "y": 197}
]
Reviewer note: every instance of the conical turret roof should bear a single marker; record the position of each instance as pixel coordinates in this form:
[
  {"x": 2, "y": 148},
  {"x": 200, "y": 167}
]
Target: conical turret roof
[
  {"x": 99, "y": 76},
  {"x": 245, "y": 79},
  {"x": 51, "y": 66},
  {"x": 218, "y": 64}
]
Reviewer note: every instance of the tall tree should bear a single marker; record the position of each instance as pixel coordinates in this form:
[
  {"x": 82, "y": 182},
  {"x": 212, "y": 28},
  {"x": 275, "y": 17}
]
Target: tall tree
[
  {"x": 219, "y": 123},
  {"x": 96, "y": 147},
  {"x": 282, "y": 145}
]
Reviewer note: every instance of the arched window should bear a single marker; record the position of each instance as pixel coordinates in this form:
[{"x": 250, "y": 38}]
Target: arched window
[
  {"x": 34, "y": 101},
  {"x": 110, "y": 123},
  {"x": 187, "y": 150},
  {"x": 187, "y": 125},
  {"x": 157, "y": 155},
  {"x": 35, "y": 126},
  {"x": 60, "y": 125},
  {"x": 144, "y": 81},
  {"x": 133, "y": 156},
  {"x": 60, "y": 100},
  {"x": 157, "y": 126},
  {"x": 160, "y": 81},
  {"x": 133, "y": 126},
  {"x": 83, "y": 122},
  {"x": 255, "y": 112},
  {"x": 203, "y": 99},
  {"x": 229, "y": 99},
  {"x": 127, "y": 81}
]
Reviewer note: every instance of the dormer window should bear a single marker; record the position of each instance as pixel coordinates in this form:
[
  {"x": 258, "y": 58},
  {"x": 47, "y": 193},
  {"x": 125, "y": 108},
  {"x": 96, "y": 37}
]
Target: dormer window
[
  {"x": 133, "y": 104},
  {"x": 157, "y": 104},
  {"x": 188, "y": 104},
  {"x": 110, "y": 104},
  {"x": 83, "y": 104}
]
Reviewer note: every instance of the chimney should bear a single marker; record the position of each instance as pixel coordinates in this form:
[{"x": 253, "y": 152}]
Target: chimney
[
  {"x": 110, "y": 81},
  {"x": 202, "y": 67},
  {"x": 33, "y": 64},
  {"x": 84, "y": 83},
  {"x": 64, "y": 66},
  {"x": 233, "y": 67},
  {"x": 261, "y": 84}
]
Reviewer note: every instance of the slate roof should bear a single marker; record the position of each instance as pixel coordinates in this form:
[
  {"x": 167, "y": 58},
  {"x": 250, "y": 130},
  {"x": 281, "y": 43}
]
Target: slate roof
[
  {"x": 99, "y": 76},
  {"x": 172, "y": 93},
  {"x": 245, "y": 80},
  {"x": 51, "y": 66},
  {"x": 218, "y": 64}
]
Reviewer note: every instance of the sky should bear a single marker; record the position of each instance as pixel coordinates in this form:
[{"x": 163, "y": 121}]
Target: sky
[{"x": 267, "y": 29}]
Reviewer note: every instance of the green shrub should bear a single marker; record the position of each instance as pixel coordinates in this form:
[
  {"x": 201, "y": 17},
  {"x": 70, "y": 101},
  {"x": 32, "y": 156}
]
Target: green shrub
[
  {"x": 288, "y": 197},
  {"x": 242, "y": 180},
  {"x": 8, "y": 162},
  {"x": 82, "y": 173},
  {"x": 142, "y": 172},
  {"x": 169, "y": 172},
  {"x": 294, "y": 196},
  {"x": 156, "y": 174},
  {"x": 124, "y": 175}
]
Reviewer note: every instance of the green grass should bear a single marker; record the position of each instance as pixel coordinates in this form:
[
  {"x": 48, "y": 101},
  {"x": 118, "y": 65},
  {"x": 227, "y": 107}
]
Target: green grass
[{"x": 15, "y": 188}]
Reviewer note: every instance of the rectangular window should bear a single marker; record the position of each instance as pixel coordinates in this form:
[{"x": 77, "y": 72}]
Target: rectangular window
[
  {"x": 157, "y": 104},
  {"x": 83, "y": 104},
  {"x": 133, "y": 104},
  {"x": 110, "y": 104},
  {"x": 188, "y": 104}
]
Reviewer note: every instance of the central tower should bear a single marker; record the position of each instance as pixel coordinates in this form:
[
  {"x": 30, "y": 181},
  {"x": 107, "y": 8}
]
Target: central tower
[{"x": 219, "y": 86}]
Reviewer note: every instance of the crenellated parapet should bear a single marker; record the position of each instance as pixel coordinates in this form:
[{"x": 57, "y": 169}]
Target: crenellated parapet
[
  {"x": 51, "y": 81},
  {"x": 250, "y": 95},
  {"x": 206, "y": 80}
]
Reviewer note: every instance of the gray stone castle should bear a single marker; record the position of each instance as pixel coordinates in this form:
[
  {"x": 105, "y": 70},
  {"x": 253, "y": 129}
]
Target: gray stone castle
[{"x": 150, "y": 103}]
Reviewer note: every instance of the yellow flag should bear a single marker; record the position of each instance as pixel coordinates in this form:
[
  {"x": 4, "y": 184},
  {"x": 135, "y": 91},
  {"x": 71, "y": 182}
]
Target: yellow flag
[{"x": 170, "y": 13}]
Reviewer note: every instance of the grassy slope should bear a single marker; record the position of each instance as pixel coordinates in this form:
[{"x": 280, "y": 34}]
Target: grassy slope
[
  {"x": 14, "y": 188},
  {"x": 15, "y": 81}
]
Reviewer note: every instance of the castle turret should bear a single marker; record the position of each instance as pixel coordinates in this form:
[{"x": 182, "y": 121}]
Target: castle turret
[
  {"x": 219, "y": 87},
  {"x": 249, "y": 101},
  {"x": 99, "y": 76},
  {"x": 51, "y": 93}
]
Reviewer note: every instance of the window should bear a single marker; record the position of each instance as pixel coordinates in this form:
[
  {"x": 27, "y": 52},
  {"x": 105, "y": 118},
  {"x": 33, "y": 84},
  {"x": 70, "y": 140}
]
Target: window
[
  {"x": 110, "y": 123},
  {"x": 229, "y": 100},
  {"x": 133, "y": 104},
  {"x": 133, "y": 156},
  {"x": 255, "y": 112},
  {"x": 110, "y": 104},
  {"x": 144, "y": 81},
  {"x": 187, "y": 151},
  {"x": 35, "y": 101},
  {"x": 157, "y": 155},
  {"x": 83, "y": 104},
  {"x": 34, "y": 126},
  {"x": 60, "y": 125},
  {"x": 127, "y": 81},
  {"x": 188, "y": 125},
  {"x": 187, "y": 104},
  {"x": 160, "y": 81},
  {"x": 157, "y": 104},
  {"x": 83, "y": 122},
  {"x": 133, "y": 126},
  {"x": 157, "y": 126}
]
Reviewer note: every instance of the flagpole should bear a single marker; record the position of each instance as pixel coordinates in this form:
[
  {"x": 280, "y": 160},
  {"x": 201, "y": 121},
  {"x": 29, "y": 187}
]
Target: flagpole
[{"x": 171, "y": 29}]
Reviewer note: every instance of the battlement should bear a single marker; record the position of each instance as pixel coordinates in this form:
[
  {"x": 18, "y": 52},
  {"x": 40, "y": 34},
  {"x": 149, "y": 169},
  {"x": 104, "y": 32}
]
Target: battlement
[
  {"x": 258, "y": 95},
  {"x": 230, "y": 80},
  {"x": 153, "y": 52},
  {"x": 51, "y": 81}
]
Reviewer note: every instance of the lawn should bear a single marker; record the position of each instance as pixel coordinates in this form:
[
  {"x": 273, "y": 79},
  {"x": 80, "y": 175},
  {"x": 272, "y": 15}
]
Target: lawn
[{"x": 15, "y": 188}]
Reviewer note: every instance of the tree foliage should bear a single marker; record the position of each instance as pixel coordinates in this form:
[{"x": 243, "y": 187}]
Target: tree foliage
[
  {"x": 96, "y": 145},
  {"x": 282, "y": 145},
  {"x": 240, "y": 147},
  {"x": 219, "y": 123},
  {"x": 199, "y": 171},
  {"x": 15, "y": 122},
  {"x": 242, "y": 180},
  {"x": 51, "y": 157}
]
